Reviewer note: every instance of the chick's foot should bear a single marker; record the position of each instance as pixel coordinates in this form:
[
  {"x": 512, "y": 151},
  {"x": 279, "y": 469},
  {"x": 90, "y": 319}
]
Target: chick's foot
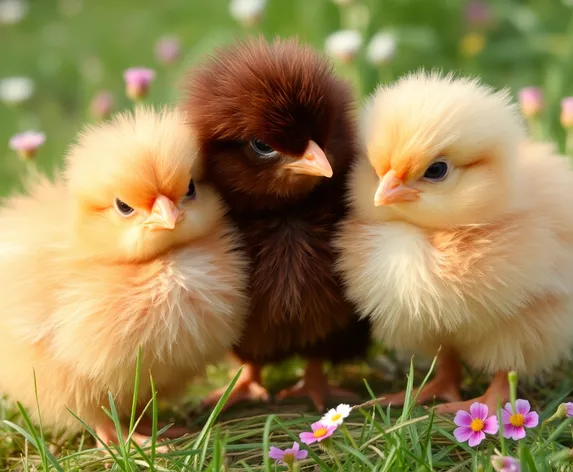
[
  {"x": 497, "y": 392},
  {"x": 145, "y": 427},
  {"x": 248, "y": 387},
  {"x": 315, "y": 385},
  {"x": 445, "y": 385},
  {"x": 107, "y": 435}
]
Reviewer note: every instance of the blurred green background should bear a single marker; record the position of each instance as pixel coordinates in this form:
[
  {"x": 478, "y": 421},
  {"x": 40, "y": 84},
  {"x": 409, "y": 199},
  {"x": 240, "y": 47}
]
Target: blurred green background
[{"x": 74, "y": 49}]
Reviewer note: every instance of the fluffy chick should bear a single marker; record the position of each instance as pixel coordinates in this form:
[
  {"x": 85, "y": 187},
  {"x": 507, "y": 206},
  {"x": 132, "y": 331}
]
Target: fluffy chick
[
  {"x": 276, "y": 130},
  {"x": 461, "y": 235},
  {"x": 122, "y": 250}
]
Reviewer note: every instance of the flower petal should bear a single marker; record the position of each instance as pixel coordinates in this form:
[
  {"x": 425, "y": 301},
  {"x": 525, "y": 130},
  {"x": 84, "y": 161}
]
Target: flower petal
[
  {"x": 505, "y": 416},
  {"x": 300, "y": 455},
  {"x": 508, "y": 430},
  {"x": 508, "y": 408},
  {"x": 307, "y": 438},
  {"x": 343, "y": 409},
  {"x": 491, "y": 425},
  {"x": 522, "y": 407},
  {"x": 295, "y": 447},
  {"x": 317, "y": 425},
  {"x": 276, "y": 453},
  {"x": 462, "y": 418},
  {"x": 479, "y": 410},
  {"x": 569, "y": 409},
  {"x": 476, "y": 438},
  {"x": 531, "y": 419},
  {"x": 463, "y": 433},
  {"x": 519, "y": 433}
]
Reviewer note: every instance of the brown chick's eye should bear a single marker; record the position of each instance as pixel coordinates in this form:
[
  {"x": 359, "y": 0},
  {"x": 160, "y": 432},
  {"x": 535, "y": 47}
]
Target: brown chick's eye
[
  {"x": 122, "y": 208},
  {"x": 262, "y": 149},
  {"x": 190, "y": 195},
  {"x": 437, "y": 171}
]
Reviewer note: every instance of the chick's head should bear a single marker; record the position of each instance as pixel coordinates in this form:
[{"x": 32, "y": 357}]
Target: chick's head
[
  {"x": 133, "y": 187},
  {"x": 441, "y": 152},
  {"x": 265, "y": 115}
]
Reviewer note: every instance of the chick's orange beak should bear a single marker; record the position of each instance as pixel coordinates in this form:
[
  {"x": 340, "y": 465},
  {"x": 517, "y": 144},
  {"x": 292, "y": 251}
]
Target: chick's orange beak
[
  {"x": 392, "y": 190},
  {"x": 312, "y": 162},
  {"x": 164, "y": 214}
]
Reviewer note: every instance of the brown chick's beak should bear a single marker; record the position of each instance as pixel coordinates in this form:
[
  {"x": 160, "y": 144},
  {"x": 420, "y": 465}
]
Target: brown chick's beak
[
  {"x": 392, "y": 190},
  {"x": 312, "y": 162},
  {"x": 164, "y": 214}
]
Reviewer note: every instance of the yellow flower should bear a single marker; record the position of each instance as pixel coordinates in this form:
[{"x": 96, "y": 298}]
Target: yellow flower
[{"x": 472, "y": 44}]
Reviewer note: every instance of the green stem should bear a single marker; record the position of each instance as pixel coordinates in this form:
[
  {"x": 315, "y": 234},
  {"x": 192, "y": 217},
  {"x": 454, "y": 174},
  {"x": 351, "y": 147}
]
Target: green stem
[
  {"x": 512, "y": 377},
  {"x": 349, "y": 436}
]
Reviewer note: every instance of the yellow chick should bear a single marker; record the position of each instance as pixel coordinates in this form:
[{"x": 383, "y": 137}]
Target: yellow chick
[
  {"x": 461, "y": 235},
  {"x": 124, "y": 249}
]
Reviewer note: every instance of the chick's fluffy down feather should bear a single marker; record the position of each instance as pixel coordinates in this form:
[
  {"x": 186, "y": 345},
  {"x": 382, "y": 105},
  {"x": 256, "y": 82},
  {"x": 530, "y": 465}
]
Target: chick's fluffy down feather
[
  {"x": 76, "y": 314},
  {"x": 497, "y": 288}
]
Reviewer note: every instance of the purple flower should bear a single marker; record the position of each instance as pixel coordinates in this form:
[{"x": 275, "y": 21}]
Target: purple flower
[
  {"x": 319, "y": 433},
  {"x": 472, "y": 426},
  {"x": 26, "y": 144},
  {"x": 288, "y": 456},
  {"x": 505, "y": 464},
  {"x": 531, "y": 101},
  {"x": 515, "y": 422},
  {"x": 168, "y": 49},
  {"x": 567, "y": 112},
  {"x": 101, "y": 105},
  {"x": 137, "y": 80},
  {"x": 477, "y": 13}
]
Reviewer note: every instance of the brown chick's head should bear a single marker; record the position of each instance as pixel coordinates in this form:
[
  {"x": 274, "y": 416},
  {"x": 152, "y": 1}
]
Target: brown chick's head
[
  {"x": 441, "y": 152},
  {"x": 133, "y": 188},
  {"x": 265, "y": 116}
]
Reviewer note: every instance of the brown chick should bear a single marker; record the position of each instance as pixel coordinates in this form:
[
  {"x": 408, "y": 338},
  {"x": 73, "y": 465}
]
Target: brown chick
[
  {"x": 461, "y": 235},
  {"x": 276, "y": 131},
  {"x": 122, "y": 251}
]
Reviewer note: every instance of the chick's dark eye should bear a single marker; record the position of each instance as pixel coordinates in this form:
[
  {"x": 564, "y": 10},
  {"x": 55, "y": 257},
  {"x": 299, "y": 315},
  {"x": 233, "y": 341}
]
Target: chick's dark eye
[
  {"x": 262, "y": 149},
  {"x": 437, "y": 171},
  {"x": 191, "y": 190},
  {"x": 122, "y": 208}
]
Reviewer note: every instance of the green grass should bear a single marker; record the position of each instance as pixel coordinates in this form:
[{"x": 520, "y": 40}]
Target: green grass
[{"x": 75, "y": 48}]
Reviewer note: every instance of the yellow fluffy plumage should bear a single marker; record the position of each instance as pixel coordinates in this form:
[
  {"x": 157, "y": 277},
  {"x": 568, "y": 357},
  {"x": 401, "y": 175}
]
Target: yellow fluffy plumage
[
  {"x": 83, "y": 286},
  {"x": 479, "y": 261}
]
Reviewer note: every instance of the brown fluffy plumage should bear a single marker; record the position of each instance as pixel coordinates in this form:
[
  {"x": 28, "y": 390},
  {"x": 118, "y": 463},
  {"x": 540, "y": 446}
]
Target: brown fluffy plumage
[
  {"x": 83, "y": 286},
  {"x": 285, "y": 95}
]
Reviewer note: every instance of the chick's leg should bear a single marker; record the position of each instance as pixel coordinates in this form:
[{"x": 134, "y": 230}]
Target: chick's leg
[
  {"x": 248, "y": 387},
  {"x": 445, "y": 384},
  {"x": 145, "y": 427},
  {"x": 498, "y": 391},
  {"x": 108, "y": 434},
  {"x": 315, "y": 384}
]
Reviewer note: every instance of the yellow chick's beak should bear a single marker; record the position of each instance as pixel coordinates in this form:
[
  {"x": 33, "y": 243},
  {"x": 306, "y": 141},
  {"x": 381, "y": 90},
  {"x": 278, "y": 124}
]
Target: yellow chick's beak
[
  {"x": 392, "y": 190},
  {"x": 312, "y": 162},
  {"x": 164, "y": 214}
]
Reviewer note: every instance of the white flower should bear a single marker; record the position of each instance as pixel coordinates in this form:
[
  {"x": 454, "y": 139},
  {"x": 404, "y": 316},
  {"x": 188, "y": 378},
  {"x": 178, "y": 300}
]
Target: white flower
[
  {"x": 336, "y": 417},
  {"x": 381, "y": 48},
  {"x": 248, "y": 12},
  {"x": 344, "y": 44},
  {"x": 12, "y": 11},
  {"x": 14, "y": 90}
]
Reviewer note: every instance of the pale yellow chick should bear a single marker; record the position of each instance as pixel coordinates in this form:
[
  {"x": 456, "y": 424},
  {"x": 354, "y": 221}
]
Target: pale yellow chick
[
  {"x": 123, "y": 250},
  {"x": 461, "y": 235}
]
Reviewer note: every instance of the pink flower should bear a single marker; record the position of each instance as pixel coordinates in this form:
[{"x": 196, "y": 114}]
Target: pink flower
[
  {"x": 567, "y": 112},
  {"x": 168, "y": 49},
  {"x": 515, "y": 422},
  {"x": 472, "y": 426},
  {"x": 101, "y": 105},
  {"x": 568, "y": 409},
  {"x": 137, "y": 80},
  {"x": 477, "y": 13},
  {"x": 319, "y": 433},
  {"x": 505, "y": 464},
  {"x": 26, "y": 144},
  {"x": 288, "y": 456},
  {"x": 531, "y": 101}
]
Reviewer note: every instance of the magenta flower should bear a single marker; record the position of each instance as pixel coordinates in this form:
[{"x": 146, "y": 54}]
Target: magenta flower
[
  {"x": 319, "y": 433},
  {"x": 288, "y": 456},
  {"x": 531, "y": 101},
  {"x": 568, "y": 409},
  {"x": 473, "y": 426},
  {"x": 137, "y": 80},
  {"x": 505, "y": 464},
  {"x": 26, "y": 144},
  {"x": 168, "y": 49},
  {"x": 477, "y": 13},
  {"x": 567, "y": 112},
  {"x": 102, "y": 105},
  {"x": 515, "y": 422}
]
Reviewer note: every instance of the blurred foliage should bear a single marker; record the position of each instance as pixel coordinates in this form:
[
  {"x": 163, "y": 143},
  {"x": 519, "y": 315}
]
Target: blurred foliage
[{"x": 74, "y": 48}]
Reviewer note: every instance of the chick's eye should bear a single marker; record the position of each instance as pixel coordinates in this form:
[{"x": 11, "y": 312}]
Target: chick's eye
[
  {"x": 190, "y": 191},
  {"x": 437, "y": 171},
  {"x": 122, "y": 208},
  {"x": 262, "y": 149}
]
